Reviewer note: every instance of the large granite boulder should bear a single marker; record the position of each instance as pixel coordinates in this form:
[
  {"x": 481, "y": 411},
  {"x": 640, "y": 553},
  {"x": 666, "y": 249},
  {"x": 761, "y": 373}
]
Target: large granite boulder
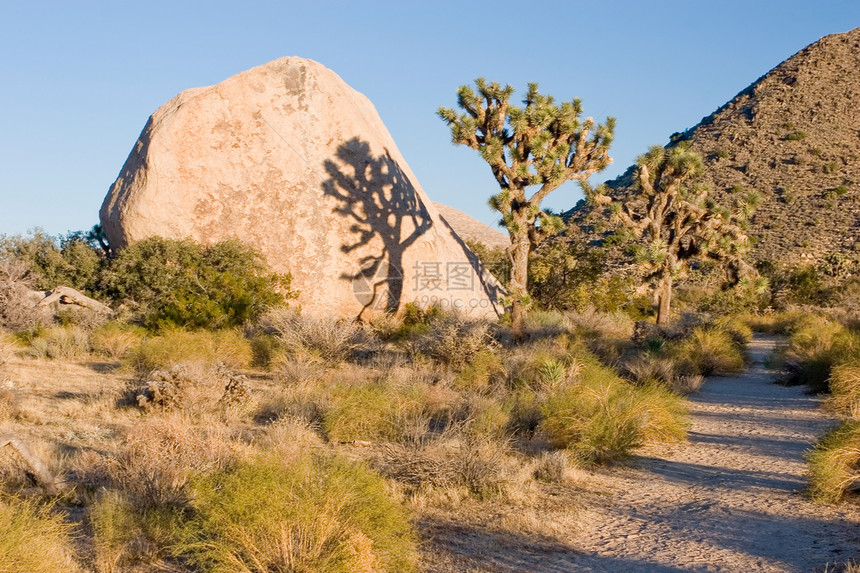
[{"x": 287, "y": 157}]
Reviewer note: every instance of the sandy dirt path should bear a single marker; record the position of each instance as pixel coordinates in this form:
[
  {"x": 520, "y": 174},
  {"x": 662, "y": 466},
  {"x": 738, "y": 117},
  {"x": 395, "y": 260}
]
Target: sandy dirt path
[{"x": 731, "y": 499}]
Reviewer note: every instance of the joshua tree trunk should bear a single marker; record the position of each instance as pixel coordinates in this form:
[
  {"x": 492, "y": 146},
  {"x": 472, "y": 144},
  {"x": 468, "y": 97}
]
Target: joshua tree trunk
[
  {"x": 519, "y": 281},
  {"x": 664, "y": 299}
]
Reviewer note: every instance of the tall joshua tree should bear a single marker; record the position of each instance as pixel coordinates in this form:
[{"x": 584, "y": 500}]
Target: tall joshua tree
[
  {"x": 676, "y": 226},
  {"x": 540, "y": 146}
]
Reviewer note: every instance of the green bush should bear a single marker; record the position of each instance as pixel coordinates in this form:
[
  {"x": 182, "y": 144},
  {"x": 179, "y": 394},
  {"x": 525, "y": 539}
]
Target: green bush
[
  {"x": 34, "y": 538},
  {"x": 834, "y": 462},
  {"x": 71, "y": 261},
  {"x": 314, "y": 514},
  {"x": 601, "y": 417},
  {"x": 183, "y": 283},
  {"x": 125, "y": 534}
]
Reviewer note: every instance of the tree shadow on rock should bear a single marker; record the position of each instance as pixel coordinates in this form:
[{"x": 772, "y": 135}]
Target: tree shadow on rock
[{"x": 382, "y": 202}]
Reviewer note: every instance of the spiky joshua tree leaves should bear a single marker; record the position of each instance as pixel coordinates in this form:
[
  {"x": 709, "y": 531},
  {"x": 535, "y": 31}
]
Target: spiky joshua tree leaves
[
  {"x": 675, "y": 225},
  {"x": 532, "y": 150}
]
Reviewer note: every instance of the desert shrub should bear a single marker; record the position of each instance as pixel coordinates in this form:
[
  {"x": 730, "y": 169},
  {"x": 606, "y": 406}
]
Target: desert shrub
[
  {"x": 314, "y": 513},
  {"x": 328, "y": 339},
  {"x": 176, "y": 346},
  {"x": 482, "y": 467},
  {"x": 834, "y": 462},
  {"x": 770, "y": 322},
  {"x": 115, "y": 340},
  {"x": 377, "y": 412},
  {"x": 480, "y": 373},
  {"x": 815, "y": 345},
  {"x": 17, "y": 307},
  {"x": 8, "y": 348},
  {"x": 592, "y": 323},
  {"x": 125, "y": 535},
  {"x": 648, "y": 368},
  {"x": 552, "y": 467},
  {"x": 183, "y": 283},
  {"x": 34, "y": 537},
  {"x": 140, "y": 495},
  {"x": 747, "y": 295},
  {"x": 740, "y": 331},
  {"x": 195, "y": 391},
  {"x": 264, "y": 348},
  {"x": 72, "y": 260},
  {"x": 454, "y": 341},
  {"x": 708, "y": 350},
  {"x": 525, "y": 413},
  {"x": 602, "y": 417},
  {"x": 845, "y": 389},
  {"x": 161, "y": 454},
  {"x": 303, "y": 400},
  {"x": 60, "y": 342}
]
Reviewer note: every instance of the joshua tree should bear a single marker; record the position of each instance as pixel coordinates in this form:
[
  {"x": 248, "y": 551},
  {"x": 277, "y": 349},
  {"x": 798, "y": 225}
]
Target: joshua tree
[
  {"x": 675, "y": 226},
  {"x": 540, "y": 145}
]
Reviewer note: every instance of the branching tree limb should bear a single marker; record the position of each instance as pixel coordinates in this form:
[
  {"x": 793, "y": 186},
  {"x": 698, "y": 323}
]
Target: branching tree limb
[
  {"x": 541, "y": 144},
  {"x": 675, "y": 226}
]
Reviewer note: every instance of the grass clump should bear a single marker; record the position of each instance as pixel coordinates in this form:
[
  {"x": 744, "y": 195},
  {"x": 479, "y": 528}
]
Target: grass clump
[
  {"x": 8, "y": 348},
  {"x": 327, "y": 339},
  {"x": 454, "y": 341},
  {"x": 176, "y": 346},
  {"x": 34, "y": 538},
  {"x": 315, "y": 514},
  {"x": 376, "y": 412},
  {"x": 60, "y": 342},
  {"x": 845, "y": 390},
  {"x": 709, "y": 350},
  {"x": 834, "y": 462},
  {"x": 815, "y": 345},
  {"x": 602, "y": 418},
  {"x": 115, "y": 340}
]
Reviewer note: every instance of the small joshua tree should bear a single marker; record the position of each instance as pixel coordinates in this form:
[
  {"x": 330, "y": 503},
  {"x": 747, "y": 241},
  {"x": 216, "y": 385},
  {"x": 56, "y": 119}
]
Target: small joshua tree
[
  {"x": 675, "y": 226},
  {"x": 540, "y": 145}
]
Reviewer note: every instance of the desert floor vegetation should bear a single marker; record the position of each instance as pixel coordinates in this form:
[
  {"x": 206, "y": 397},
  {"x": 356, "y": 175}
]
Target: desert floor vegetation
[
  {"x": 279, "y": 440},
  {"x": 162, "y": 440},
  {"x": 822, "y": 352}
]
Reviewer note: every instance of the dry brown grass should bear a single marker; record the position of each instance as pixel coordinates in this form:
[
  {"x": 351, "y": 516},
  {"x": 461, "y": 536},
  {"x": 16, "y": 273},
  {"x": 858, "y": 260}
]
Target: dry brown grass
[
  {"x": 60, "y": 342},
  {"x": 845, "y": 390},
  {"x": 115, "y": 341},
  {"x": 326, "y": 339},
  {"x": 459, "y": 428}
]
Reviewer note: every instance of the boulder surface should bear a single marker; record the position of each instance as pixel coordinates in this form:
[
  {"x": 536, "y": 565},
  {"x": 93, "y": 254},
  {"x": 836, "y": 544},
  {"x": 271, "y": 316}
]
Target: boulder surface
[{"x": 290, "y": 159}]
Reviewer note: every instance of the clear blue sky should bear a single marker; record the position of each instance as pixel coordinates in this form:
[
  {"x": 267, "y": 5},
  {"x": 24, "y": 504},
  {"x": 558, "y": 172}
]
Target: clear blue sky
[{"x": 79, "y": 79}]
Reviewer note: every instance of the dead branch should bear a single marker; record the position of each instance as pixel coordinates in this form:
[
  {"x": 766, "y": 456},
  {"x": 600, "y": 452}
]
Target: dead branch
[{"x": 36, "y": 467}]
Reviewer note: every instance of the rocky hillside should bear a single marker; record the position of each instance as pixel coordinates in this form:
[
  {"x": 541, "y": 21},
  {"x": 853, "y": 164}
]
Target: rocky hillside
[{"x": 794, "y": 137}]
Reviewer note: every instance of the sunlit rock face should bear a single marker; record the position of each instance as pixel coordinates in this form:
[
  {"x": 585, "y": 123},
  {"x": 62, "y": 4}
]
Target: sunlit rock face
[{"x": 289, "y": 158}]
